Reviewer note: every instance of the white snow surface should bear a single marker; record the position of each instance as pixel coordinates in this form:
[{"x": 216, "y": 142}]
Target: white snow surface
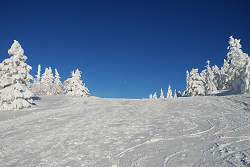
[{"x": 75, "y": 131}]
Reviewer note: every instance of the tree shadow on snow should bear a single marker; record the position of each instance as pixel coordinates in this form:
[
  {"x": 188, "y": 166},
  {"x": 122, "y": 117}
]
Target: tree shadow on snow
[
  {"x": 35, "y": 98},
  {"x": 226, "y": 93}
]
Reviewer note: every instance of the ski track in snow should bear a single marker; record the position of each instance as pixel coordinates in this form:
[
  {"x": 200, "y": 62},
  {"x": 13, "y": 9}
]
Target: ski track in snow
[{"x": 74, "y": 131}]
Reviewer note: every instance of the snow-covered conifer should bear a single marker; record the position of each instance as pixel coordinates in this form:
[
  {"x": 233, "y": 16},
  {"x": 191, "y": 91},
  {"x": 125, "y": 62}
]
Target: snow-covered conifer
[
  {"x": 38, "y": 76},
  {"x": 169, "y": 94},
  {"x": 225, "y": 84},
  {"x": 14, "y": 80},
  {"x": 245, "y": 78},
  {"x": 217, "y": 77},
  {"x": 175, "y": 94},
  {"x": 74, "y": 85},
  {"x": 47, "y": 82},
  {"x": 155, "y": 95},
  {"x": 36, "y": 86},
  {"x": 195, "y": 84},
  {"x": 238, "y": 63},
  {"x": 58, "y": 86},
  {"x": 209, "y": 80},
  {"x": 150, "y": 96},
  {"x": 162, "y": 94}
]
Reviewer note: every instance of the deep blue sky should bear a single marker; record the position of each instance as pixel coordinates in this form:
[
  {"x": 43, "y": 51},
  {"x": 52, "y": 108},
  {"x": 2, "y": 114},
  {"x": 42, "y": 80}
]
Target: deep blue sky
[{"x": 124, "y": 48}]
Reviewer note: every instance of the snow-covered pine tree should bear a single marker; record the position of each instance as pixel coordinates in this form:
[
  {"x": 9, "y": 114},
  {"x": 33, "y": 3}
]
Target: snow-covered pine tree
[
  {"x": 58, "y": 86},
  {"x": 217, "y": 76},
  {"x": 225, "y": 84},
  {"x": 150, "y": 96},
  {"x": 155, "y": 95},
  {"x": 74, "y": 85},
  {"x": 47, "y": 82},
  {"x": 36, "y": 86},
  {"x": 195, "y": 84},
  {"x": 15, "y": 80},
  {"x": 245, "y": 78},
  {"x": 188, "y": 81},
  {"x": 38, "y": 76},
  {"x": 175, "y": 93},
  {"x": 169, "y": 94},
  {"x": 238, "y": 63},
  {"x": 209, "y": 80},
  {"x": 162, "y": 94}
]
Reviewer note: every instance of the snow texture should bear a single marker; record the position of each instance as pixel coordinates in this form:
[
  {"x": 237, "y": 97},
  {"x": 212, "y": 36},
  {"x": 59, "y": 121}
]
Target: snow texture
[{"x": 74, "y": 131}]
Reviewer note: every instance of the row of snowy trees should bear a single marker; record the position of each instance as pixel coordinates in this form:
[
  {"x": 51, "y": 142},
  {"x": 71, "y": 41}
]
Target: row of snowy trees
[
  {"x": 169, "y": 94},
  {"x": 16, "y": 91},
  {"x": 233, "y": 75},
  {"x": 49, "y": 84}
]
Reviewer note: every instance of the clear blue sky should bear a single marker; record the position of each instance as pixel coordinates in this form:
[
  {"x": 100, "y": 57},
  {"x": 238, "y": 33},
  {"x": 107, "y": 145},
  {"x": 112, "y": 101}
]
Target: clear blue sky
[{"x": 124, "y": 48}]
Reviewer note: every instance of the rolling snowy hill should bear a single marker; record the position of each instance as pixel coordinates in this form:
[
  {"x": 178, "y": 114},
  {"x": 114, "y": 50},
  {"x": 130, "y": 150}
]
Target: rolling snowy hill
[{"x": 75, "y": 131}]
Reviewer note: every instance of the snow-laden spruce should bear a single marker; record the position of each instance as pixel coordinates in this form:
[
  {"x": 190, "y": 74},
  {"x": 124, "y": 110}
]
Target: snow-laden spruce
[
  {"x": 47, "y": 82},
  {"x": 58, "y": 86},
  {"x": 195, "y": 83},
  {"x": 36, "y": 86},
  {"x": 169, "y": 94},
  {"x": 209, "y": 79},
  {"x": 14, "y": 80},
  {"x": 239, "y": 66},
  {"x": 162, "y": 94},
  {"x": 74, "y": 85}
]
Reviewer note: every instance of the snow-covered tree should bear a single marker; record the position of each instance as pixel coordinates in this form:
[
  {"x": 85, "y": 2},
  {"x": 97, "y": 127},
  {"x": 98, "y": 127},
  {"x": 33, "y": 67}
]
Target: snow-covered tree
[
  {"x": 169, "y": 94},
  {"x": 195, "y": 84},
  {"x": 175, "y": 94},
  {"x": 36, "y": 86},
  {"x": 150, "y": 96},
  {"x": 74, "y": 85},
  {"x": 217, "y": 77},
  {"x": 238, "y": 65},
  {"x": 15, "y": 80},
  {"x": 162, "y": 94},
  {"x": 58, "y": 86},
  {"x": 225, "y": 84},
  {"x": 38, "y": 76},
  {"x": 245, "y": 78},
  {"x": 209, "y": 80},
  {"x": 155, "y": 95},
  {"x": 47, "y": 82}
]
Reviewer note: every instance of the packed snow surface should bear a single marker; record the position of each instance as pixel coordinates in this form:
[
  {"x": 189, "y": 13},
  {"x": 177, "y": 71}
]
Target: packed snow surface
[{"x": 77, "y": 131}]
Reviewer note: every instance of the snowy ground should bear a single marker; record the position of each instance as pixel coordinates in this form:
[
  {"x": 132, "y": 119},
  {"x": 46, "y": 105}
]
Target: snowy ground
[{"x": 74, "y": 131}]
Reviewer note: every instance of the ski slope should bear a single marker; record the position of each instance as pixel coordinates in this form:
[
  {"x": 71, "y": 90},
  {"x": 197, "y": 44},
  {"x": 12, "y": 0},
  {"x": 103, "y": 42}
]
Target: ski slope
[{"x": 74, "y": 131}]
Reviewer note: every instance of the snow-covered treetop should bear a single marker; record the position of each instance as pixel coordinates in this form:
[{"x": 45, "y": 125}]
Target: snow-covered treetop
[
  {"x": 235, "y": 54},
  {"x": 38, "y": 73},
  {"x": 76, "y": 74},
  {"x": 17, "y": 51}
]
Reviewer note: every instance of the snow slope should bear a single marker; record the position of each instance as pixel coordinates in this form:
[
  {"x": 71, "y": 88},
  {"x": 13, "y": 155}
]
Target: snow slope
[{"x": 75, "y": 131}]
